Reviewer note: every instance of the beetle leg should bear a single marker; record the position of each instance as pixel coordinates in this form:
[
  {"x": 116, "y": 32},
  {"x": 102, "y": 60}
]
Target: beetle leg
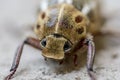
[
  {"x": 75, "y": 60},
  {"x": 30, "y": 41},
  {"x": 90, "y": 58}
]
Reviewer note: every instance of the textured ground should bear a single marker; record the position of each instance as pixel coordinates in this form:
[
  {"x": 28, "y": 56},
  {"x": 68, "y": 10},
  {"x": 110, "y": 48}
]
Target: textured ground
[{"x": 16, "y": 18}]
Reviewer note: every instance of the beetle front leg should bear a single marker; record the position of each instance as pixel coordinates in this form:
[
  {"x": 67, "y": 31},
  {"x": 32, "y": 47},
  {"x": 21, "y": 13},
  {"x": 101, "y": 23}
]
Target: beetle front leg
[
  {"x": 90, "y": 58},
  {"x": 30, "y": 41}
]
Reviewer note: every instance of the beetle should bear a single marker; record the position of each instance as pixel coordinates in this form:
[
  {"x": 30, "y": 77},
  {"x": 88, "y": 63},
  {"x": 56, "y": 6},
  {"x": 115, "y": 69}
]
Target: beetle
[{"x": 62, "y": 29}]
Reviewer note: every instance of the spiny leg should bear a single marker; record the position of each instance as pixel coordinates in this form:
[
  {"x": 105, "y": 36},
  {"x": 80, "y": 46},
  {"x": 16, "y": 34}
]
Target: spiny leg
[
  {"x": 90, "y": 58},
  {"x": 30, "y": 41}
]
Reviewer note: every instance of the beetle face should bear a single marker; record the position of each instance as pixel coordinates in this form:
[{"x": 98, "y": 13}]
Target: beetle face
[
  {"x": 54, "y": 46},
  {"x": 60, "y": 28}
]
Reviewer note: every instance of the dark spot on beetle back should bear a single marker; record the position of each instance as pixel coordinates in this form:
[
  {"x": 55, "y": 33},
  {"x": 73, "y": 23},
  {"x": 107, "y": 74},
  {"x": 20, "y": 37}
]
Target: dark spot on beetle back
[
  {"x": 80, "y": 30},
  {"x": 38, "y": 26},
  {"x": 78, "y": 19},
  {"x": 43, "y": 15}
]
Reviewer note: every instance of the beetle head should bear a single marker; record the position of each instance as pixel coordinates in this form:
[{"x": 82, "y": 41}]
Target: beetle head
[{"x": 55, "y": 46}]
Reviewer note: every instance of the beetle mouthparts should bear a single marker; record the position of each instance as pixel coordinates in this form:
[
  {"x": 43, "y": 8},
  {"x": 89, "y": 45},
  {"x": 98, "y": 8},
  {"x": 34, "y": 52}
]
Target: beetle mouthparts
[
  {"x": 54, "y": 54},
  {"x": 55, "y": 46}
]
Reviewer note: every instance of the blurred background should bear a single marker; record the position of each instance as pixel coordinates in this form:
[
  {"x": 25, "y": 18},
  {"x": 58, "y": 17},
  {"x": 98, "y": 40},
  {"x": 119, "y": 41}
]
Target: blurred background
[{"x": 17, "y": 17}]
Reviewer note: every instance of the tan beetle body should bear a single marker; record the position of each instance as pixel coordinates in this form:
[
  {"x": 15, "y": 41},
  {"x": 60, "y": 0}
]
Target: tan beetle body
[
  {"x": 64, "y": 20},
  {"x": 63, "y": 29}
]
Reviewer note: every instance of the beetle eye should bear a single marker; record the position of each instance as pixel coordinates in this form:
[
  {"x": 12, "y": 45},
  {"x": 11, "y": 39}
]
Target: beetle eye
[
  {"x": 67, "y": 46},
  {"x": 43, "y": 43}
]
